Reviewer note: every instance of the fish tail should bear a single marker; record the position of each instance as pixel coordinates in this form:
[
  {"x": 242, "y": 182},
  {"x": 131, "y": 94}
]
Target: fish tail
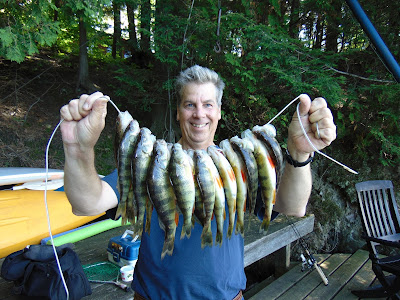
[
  {"x": 121, "y": 211},
  {"x": 239, "y": 228},
  {"x": 168, "y": 247},
  {"x": 139, "y": 228},
  {"x": 218, "y": 238},
  {"x": 206, "y": 237},
  {"x": 186, "y": 229},
  {"x": 264, "y": 225},
  {"x": 230, "y": 231}
]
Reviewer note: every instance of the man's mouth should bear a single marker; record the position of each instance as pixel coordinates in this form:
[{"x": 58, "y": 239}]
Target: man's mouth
[{"x": 199, "y": 125}]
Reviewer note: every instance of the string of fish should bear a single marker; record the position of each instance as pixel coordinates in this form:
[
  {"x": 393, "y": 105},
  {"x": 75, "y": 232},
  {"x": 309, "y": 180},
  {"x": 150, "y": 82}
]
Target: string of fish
[{"x": 196, "y": 183}]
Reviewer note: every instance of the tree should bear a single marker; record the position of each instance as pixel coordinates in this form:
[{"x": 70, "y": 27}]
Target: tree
[
  {"x": 25, "y": 27},
  {"x": 117, "y": 28}
]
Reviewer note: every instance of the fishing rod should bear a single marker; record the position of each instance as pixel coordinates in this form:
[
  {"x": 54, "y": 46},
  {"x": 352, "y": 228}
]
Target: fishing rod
[
  {"x": 308, "y": 260},
  {"x": 383, "y": 51}
]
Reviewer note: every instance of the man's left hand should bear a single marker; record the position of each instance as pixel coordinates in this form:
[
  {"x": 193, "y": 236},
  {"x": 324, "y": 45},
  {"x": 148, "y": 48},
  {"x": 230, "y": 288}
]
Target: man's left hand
[{"x": 318, "y": 123}]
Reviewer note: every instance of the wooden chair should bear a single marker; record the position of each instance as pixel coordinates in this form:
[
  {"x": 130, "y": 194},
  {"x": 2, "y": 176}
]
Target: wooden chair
[{"x": 381, "y": 224}]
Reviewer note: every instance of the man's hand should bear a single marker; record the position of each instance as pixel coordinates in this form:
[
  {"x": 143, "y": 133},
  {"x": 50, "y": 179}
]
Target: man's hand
[
  {"x": 84, "y": 120},
  {"x": 317, "y": 120}
]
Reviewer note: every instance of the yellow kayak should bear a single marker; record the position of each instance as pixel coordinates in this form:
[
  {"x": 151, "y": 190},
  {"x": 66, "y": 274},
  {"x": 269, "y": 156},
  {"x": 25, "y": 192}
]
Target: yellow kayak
[{"x": 23, "y": 219}]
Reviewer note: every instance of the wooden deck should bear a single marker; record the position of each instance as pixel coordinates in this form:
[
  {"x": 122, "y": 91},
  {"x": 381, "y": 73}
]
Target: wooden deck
[
  {"x": 93, "y": 250},
  {"x": 345, "y": 272}
]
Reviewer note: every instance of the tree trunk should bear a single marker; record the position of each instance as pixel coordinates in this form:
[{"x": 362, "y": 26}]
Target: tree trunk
[
  {"x": 294, "y": 26},
  {"x": 333, "y": 18},
  {"x": 319, "y": 32},
  {"x": 133, "y": 42},
  {"x": 84, "y": 82},
  {"x": 117, "y": 29},
  {"x": 145, "y": 21}
]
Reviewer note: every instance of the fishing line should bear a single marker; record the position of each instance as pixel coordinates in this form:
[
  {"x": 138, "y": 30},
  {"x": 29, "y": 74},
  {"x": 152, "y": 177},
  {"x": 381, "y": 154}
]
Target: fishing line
[
  {"x": 306, "y": 136},
  {"x": 45, "y": 196},
  {"x": 47, "y": 210}
]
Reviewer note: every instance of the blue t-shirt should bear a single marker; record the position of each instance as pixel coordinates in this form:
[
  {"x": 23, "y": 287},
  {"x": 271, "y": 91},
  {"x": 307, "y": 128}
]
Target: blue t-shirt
[{"x": 191, "y": 272}]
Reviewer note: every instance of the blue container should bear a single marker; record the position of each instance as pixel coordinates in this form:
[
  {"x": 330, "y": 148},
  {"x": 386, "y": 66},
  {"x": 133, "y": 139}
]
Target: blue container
[{"x": 123, "y": 250}]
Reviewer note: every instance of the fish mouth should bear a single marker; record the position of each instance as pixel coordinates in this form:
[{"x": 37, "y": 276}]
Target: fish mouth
[{"x": 199, "y": 125}]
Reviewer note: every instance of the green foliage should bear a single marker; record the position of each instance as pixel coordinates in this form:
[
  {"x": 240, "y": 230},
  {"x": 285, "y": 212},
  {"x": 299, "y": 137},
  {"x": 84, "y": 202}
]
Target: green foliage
[
  {"x": 263, "y": 67},
  {"x": 133, "y": 87},
  {"x": 25, "y": 27}
]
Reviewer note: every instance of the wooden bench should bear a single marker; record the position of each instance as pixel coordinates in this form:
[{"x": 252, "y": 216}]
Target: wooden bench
[{"x": 280, "y": 235}]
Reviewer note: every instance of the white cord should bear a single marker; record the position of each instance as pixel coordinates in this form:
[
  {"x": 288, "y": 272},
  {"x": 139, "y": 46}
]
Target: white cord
[
  {"x": 45, "y": 198},
  {"x": 316, "y": 150},
  {"x": 47, "y": 210},
  {"x": 306, "y": 136}
]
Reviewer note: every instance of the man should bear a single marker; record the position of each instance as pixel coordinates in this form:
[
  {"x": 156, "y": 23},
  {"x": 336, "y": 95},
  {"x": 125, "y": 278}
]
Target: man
[{"x": 191, "y": 272}]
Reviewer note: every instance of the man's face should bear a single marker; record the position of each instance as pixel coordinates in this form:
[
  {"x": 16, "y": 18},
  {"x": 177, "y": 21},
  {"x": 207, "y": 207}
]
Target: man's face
[{"x": 198, "y": 115}]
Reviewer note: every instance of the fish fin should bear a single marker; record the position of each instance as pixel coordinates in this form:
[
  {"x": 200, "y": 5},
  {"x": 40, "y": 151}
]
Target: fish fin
[
  {"x": 121, "y": 211},
  {"x": 264, "y": 226},
  {"x": 176, "y": 218},
  {"x": 138, "y": 228},
  {"x": 149, "y": 211},
  {"x": 239, "y": 228},
  {"x": 274, "y": 197},
  {"x": 230, "y": 231},
  {"x": 168, "y": 247},
  {"x": 218, "y": 238},
  {"x": 186, "y": 230},
  {"x": 206, "y": 237}
]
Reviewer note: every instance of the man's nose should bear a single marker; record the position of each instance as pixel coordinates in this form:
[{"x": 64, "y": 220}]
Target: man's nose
[{"x": 199, "y": 112}]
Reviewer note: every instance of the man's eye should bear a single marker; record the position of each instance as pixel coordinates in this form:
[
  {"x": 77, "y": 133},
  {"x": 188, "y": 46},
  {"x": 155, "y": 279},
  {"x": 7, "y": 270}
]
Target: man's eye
[
  {"x": 189, "y": 105},
  {"x": 208, "y": 105}
]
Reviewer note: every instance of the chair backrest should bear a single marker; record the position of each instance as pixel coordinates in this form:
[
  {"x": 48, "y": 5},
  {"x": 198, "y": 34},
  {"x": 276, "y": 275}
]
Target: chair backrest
[{"x": 378, "y": 209}]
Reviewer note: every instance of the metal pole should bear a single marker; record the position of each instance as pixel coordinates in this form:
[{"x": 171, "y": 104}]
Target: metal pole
[{"x": 383, "y": 51}]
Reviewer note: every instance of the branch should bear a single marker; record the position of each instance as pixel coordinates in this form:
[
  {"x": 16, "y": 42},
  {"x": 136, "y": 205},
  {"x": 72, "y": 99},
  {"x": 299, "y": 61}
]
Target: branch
[
  {"x": 360, "y": 77},
  {"x": 1, "y": 100}
]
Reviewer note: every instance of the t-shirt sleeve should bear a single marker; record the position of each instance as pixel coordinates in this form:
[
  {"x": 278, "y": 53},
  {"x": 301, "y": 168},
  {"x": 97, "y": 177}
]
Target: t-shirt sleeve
[{"x": 112, "y": 180}]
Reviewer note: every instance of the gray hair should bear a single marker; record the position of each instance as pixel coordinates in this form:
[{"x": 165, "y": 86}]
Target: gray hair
[{"x": 198, "y": 74}]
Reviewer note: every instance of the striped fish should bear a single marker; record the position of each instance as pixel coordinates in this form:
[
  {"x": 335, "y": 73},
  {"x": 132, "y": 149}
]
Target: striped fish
[
  {"x": 273, "y": 147},
  {"x": 162, "y": 194},
  {"x": 229, "y": 182},
  {"x": 219, "y": 204},
  {"x": 206, "y": 182},
  {"x": 125, "y": 154},
  {"x": 239, "y": 169},
  {"x": 140, "y": 165},
  {"x": 122, "y": 122},
  {"x": 266, "y": 177},
  {"x": 245, "y": 149},
  {"x": 198, "y": 213},
  {"x": 181, "y": 175}
]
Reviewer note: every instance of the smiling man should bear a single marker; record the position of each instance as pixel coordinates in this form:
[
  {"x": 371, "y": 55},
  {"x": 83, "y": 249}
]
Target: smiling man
[
  {"x": 215, "y": 272},
  {"x": 198, "y": 115}
]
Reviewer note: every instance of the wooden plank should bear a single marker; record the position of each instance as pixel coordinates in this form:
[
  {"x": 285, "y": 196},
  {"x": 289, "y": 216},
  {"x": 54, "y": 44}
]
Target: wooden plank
[
  {"x": 340, "y": 277},
  {"x": 285, "y": 282},
  {"x": 282, "y": 261},
  {"x": 362, "y": 280},
  {"x": 279, "y": 235},
  {"x": 308, "y": 283}
]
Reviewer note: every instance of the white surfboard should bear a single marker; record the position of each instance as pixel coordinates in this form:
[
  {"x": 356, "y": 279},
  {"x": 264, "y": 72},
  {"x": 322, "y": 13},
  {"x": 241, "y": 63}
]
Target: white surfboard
[{"x": 15, "y": 175}]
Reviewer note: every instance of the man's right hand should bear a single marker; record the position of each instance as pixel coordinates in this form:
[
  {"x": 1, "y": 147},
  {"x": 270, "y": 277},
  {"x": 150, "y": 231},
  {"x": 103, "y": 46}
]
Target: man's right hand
[{"x": 84, "y": 120}]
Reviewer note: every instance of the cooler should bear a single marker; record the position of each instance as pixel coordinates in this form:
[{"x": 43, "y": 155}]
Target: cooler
[{"x": 123, "y": 250}]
